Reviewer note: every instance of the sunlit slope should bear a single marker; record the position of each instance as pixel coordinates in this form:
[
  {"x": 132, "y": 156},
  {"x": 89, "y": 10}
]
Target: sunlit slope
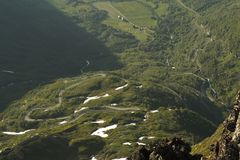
[
  {"x": 177, "y": 83},
  {"x": 72, "y": 110}
]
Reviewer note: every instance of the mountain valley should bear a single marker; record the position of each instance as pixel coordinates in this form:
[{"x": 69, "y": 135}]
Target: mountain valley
[{"x": 87, "y": 79}]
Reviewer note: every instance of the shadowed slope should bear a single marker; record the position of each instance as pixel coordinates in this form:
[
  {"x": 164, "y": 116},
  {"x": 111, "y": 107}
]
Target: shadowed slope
[{"x": 39, "y": 44}]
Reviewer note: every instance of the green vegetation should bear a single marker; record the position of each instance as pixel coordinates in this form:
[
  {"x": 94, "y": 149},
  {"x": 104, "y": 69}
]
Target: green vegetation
[
  {"x": 136, "y": 13},
  {"x": 41, "y": 109},
  {"x": 162, "y": 9},
  {"x": 178, "y": 73},
  {"x": 120, "y": 16},
  {"x": 204, "y": 147}
]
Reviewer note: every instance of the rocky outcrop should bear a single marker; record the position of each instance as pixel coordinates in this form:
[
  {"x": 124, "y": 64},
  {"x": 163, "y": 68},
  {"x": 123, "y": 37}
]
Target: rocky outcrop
[
  {"x": 228, "y": 147},
  {"x": 175, "y": 149}
]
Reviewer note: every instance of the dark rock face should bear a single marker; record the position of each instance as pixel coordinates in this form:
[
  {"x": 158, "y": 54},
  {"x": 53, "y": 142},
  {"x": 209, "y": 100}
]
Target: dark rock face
[
  {"x": 228, "y": 147},
  {"x": 175, "y": 149}
]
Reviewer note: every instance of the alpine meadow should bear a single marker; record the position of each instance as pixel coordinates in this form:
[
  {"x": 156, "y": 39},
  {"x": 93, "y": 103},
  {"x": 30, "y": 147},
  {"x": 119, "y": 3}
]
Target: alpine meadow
[{"x": 119, "y": 80}]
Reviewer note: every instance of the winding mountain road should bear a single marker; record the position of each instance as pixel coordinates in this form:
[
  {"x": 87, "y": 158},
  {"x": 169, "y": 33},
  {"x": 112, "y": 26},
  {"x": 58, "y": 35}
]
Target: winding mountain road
[
  {"x": 76, "y": 115},
  {"x": 80, "y": 113}
]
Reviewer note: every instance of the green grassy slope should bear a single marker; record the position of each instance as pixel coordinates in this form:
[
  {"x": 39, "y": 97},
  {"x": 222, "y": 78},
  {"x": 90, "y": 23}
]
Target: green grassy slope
[
  {"x": 180, "y": 82},
  {"x": 41, "y": 110}
]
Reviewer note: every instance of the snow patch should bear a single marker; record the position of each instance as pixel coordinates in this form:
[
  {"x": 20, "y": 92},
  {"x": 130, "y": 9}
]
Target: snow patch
[
  {"x": 119, "y": 88},
  {"x": 94, "y": 98},
  {"x": 120, "y": 159},
  {"x": 101, "y": 131},
  {"x": 93, "y": 158},
  {"x": 17, "y": 133},
  {"x": 141, "y": 86},
  {"x": 141, "y": 144},
  {"x": 99, "y": 122},
  {"x": 127, "y": 143},
  {"x": 84, "y": 108},
  {"x": 146, "y": 116},
  {"x": 154, "y": 111},
  {"x": 106, "y": 95},
  {"x": 63, "y": 122},
  {"x": 131, "y": 124},
  {"x": 143, "y": 137}
]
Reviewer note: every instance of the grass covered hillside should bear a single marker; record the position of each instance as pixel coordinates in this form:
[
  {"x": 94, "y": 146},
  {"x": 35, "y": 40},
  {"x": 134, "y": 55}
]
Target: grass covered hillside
[
  {"x": 137, "y": 71},
  {"x": 73, "y": 109}
]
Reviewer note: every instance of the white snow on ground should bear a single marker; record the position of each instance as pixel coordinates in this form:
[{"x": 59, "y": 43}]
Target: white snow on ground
[
  {"x": 7, "y": 71},
  {"x": 90, "y": 99},
  {"x": 127, "y": 144},
  {"x": 17, "y": 133},
  {"x": 120, "y": 159},
  {"x": 63, "y": 122},
  {"x": 106, "y": 95},
  {"x": 93, "y": 158},
  {"x": 94, "y": 98},
  {"x": 99, "y": 121},
  {"x": 83, "y": 108},
  {"x": 146, "y": 116},
  {"x": 141, "y": 144},
  {"x": 131, "y": 124},
  {"x": 154, "y": 111},
  {"x": 141, "y": 86},
  {"x": 101, "y": 131},
  {"x": 143, "y": 137},
  {"x": 118, "y": 88}
]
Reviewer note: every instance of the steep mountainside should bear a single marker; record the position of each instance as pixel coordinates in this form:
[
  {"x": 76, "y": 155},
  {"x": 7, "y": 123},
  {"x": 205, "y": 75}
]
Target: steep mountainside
[
  {"x": 39, "y": 44},
  {"x": 224, "y": 143},
  {"x": 166, "y": 68}
]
